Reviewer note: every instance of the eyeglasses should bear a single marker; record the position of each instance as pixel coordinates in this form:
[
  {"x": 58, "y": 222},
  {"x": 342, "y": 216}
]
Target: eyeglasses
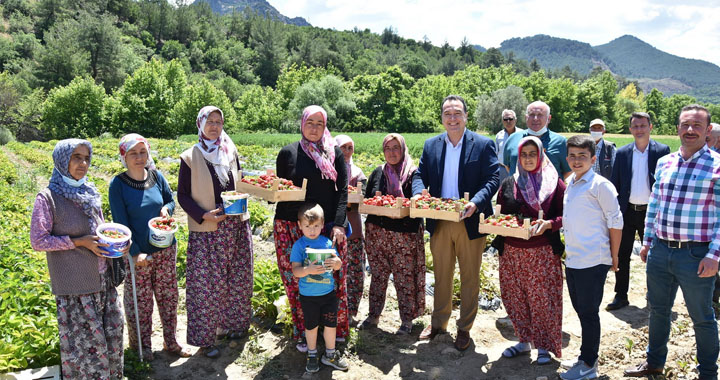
[{"x": 508, "y": 119}]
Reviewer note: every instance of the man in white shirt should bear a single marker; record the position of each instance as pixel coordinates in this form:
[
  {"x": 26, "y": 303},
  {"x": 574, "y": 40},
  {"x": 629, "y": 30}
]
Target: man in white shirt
[
  {"x": 633, "y": 176},
  {"x": 508, "y": 121}
]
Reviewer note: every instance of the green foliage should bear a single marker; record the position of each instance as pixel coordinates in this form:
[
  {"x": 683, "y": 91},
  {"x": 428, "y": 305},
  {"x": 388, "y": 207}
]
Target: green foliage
[
  {"x": 384, "y": 101},
  {"x": 183, "y": 116},
  {"x": 267, "y": 288},
  {"x": 259, "y": 214},
  {"x": 143, "y": 103},
  {"x": 489, "y": 108},
  {"x": 5, "y": 136},
  {"x": 329, "y": 93},
  {"x": 8, "y": 171},
  {"x": 258, "y": 109},
  {"x": 74, "y": 110}
]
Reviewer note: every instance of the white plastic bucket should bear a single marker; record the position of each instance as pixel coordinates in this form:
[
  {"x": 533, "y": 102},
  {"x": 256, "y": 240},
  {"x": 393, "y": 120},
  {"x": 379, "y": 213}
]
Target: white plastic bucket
[
  {"x": 160, "y": 238},
  {"x": 234, "y": 204},
  {"x": 115, "y": 245}
]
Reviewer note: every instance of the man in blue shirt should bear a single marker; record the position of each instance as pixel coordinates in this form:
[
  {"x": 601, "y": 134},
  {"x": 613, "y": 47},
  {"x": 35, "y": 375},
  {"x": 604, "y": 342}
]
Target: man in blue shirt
[{"x": 537, "y": 118}]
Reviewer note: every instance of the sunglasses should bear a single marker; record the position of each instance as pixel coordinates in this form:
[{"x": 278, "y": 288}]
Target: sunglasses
[{"x": 508, "y": 119}]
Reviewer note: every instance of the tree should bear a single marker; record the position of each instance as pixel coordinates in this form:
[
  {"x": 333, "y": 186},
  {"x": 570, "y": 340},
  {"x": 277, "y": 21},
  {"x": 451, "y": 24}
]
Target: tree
[
  {"x": 103, "y": 42},
  {"x": 74, "y": 110},
  {"x": 654, "y": 106},
  {"x": 258, "y": 109},
  {"x": 414, "y": 65},
  {"x": 488, "y": 113},
  {"x": 143, "y": 103},
  {"x": 26, "y": 117},
  {"x": 330, "y": 93},
  {"x": 183, "y": 115},
  {"x": 62, "y": 58},
  {"x": 267, "y": 41}
]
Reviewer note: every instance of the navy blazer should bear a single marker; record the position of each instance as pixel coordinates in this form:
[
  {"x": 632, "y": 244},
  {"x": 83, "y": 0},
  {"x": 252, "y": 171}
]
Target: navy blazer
[
  {"x": 478, "y": 174},
  {"x": 622, "y": 171}
]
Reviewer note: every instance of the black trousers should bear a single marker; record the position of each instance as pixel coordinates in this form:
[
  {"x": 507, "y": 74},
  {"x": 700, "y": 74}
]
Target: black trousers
[{"x": 633, "y": 222}]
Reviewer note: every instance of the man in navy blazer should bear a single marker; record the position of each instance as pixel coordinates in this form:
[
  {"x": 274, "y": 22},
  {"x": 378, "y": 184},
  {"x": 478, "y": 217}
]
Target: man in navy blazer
[
  {"x": 633, "y": 176},
  {"x": 453, "y": 163}
]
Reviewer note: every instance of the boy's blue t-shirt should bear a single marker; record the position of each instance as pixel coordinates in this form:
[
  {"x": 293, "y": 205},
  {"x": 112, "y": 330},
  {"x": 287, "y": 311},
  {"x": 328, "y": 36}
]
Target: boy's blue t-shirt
[{"x": 313, "y": 284}]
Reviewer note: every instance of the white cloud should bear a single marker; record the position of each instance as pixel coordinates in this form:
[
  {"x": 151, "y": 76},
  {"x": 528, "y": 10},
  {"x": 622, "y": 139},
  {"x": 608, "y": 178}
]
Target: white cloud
[{"x": 690, "y": 30}]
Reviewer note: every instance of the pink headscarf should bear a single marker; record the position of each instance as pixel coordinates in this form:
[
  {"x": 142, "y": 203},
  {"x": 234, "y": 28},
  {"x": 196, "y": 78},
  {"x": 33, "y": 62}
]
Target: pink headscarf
[
  {"x": 218, "y": 152},
  {"x": 355, "y": 174},
  {"x": 539, "y": 184},
  {"x": 396, "y": 175},
  {"x": 322, "y": 151},
  {"x": 127, "y": 142}
]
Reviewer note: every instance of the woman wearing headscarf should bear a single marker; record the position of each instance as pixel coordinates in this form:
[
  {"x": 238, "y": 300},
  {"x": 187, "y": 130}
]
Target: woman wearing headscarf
[
  {"x": 395, "y": 246},
  {"x": 64, "y": 220},
  {"x": 531, "y": 280},
  {"x": 219, "y": 274},
  {"x": 355, "y": 242},
  {"x": 317, "y": 158},
  {"x": 136, "y": 196}
]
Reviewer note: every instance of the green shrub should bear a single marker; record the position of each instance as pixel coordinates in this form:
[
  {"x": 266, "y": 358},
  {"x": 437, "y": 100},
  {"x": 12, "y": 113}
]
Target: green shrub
[
  {"x": 8, "y": 171},
  {"x": 5, "y": 136},
  {"x": 259, "y": 214},
  {"x": 267, "y": 288}
]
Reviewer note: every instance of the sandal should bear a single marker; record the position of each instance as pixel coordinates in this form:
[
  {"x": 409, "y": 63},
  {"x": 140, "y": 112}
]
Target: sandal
[
  {"x": 178, "y": 350},
  {"x": 543, "y": 358},
  {"x": 211, "y": 352},
  {"x": 512, "y": 352},
  {"x": 236, "y": 335},
  {"x": 368, "y": 324},
  {"x": 404, "y": 329}
]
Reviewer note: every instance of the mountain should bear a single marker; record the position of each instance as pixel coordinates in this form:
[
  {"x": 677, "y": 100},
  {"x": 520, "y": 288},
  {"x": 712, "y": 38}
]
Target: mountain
[
  {"x": 627, "y": 56},
  {"x": 261, "y": 7}
]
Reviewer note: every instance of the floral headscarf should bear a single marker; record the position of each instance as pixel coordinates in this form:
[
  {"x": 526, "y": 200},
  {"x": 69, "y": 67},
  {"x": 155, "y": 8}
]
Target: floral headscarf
[
  {"x": 322, "y": 151},
  {"x": 86, "y": 195},
  {"x": 539, "y": 184},
  {"x": 354, "y": 173},
  {"x": 399, "y": 173},
  {"x": 218, "y": 152},
  {"x": 129, "y": 141}
]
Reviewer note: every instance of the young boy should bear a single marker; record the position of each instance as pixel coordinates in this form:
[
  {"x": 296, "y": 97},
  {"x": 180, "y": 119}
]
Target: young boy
[
  {"x": 593, "y": 227},
  {"x": 317, "y": 288}
]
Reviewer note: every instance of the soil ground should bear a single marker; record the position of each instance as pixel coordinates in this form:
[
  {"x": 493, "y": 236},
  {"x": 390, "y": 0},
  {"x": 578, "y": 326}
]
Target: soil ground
[{"x": 379, "y": 354}]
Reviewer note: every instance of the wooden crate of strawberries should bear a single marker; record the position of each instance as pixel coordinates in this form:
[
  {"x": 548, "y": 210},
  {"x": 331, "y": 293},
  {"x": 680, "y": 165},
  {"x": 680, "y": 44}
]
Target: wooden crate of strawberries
[
  {"x": 385, "y": 205},
  {"x": 508, "y": 225},
  {"x": 355, "y": 194},
  {"x": 438, "y": 208},
  {"x": 272, "y": 188}
]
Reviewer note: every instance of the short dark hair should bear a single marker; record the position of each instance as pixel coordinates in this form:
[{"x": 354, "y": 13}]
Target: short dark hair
[
  {"x": 582, "y": 142},
  {"x": 450, "y": 98},
  {"x": 695, "y": 107},
  {"x": 640, "y": 115},
  {"x": 310, "y": 212}
]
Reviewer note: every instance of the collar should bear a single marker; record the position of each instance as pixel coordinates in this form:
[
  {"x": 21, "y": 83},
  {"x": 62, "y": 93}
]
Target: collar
[
  {"x": 635, "y": 148},
  {"x": 695, "y": 156},
  {"x": 587, "y": 177},
  {"x": 447, "y": 140},
  {"x": 600, "y": 143}
]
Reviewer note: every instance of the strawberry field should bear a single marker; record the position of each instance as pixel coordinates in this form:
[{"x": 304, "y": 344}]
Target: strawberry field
[{"x": 28, "y": 338}]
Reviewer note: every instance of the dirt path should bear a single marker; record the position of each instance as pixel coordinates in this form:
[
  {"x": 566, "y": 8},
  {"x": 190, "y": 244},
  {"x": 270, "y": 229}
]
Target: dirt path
[{"x": 379, "y": 354}]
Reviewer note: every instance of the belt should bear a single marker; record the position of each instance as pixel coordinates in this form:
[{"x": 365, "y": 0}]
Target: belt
[
  {"x": 684, "y": 244},
  {"x": 637, "y": 207}
]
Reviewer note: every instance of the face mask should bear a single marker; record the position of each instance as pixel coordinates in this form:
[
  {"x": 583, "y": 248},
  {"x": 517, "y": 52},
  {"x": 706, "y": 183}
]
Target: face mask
[
  {"x": 74, "y": 182},
  {"x": 596, "y": 135},
  {"x": 538, "y": 133}
]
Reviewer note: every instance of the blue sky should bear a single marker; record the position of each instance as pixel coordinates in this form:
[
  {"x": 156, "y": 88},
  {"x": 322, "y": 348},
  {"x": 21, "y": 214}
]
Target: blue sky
[{"x": 687, "y": 28}]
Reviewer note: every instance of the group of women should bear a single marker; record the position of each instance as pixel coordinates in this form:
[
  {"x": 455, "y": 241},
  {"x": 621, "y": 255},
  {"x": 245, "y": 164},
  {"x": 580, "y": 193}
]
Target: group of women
[{"x": 219, "y": 273}]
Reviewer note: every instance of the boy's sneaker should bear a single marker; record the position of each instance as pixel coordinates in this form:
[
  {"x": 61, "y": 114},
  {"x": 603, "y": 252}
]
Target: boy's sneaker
[
  {"x": 580, "y": 371},
  {"x": 312, "y": 365},
  {"x": 336, "y": 361}
]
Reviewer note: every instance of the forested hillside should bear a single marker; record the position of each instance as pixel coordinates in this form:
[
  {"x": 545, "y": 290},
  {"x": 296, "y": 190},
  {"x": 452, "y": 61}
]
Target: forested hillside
[{"x": 83, "y": 68}]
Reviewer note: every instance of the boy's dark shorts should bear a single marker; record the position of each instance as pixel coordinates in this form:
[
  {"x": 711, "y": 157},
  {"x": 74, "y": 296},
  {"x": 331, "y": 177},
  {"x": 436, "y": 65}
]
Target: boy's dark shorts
[{"x": 319, "y": 310}]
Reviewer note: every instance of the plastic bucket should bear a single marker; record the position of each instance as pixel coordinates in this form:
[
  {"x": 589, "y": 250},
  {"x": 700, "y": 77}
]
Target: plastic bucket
[
  {"x": 115, "y": 245},
  {"x": 160, "y": 238},
  {"x": 234, "y": 203},
  {"x": 319, "y": 255}
]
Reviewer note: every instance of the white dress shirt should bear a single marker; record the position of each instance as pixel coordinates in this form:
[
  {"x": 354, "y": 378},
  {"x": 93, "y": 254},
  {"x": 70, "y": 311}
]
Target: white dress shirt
[
  {"x": 590, "y": 209},
  {"x": 640, "y": 182},
  {"x": 452, "y": 166}
]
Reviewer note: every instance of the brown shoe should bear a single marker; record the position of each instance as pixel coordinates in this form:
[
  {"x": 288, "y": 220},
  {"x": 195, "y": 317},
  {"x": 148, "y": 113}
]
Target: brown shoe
[
  {"x": 430, "y": 333},
  {"x": 641, "y": 370},
  {"x": 462, "y": 341}
]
